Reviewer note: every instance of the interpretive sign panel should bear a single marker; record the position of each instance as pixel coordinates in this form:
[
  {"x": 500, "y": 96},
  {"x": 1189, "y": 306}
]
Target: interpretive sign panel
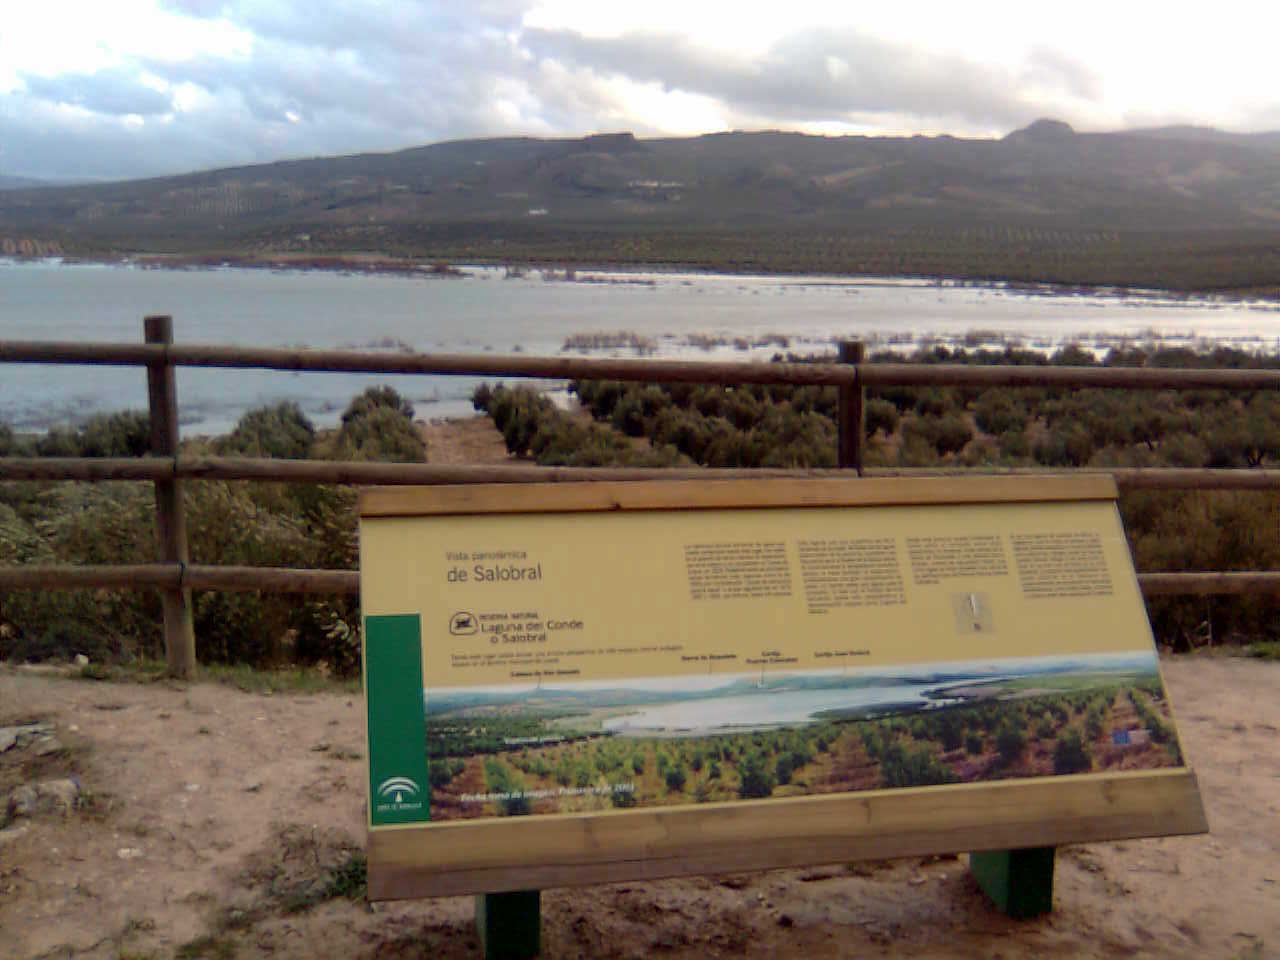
[{"x": 603, "y": 651}]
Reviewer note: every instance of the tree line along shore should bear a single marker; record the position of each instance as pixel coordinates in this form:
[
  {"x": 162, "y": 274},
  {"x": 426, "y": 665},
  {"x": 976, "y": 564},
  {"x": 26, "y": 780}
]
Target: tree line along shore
[{"x": 619, "y": 424}]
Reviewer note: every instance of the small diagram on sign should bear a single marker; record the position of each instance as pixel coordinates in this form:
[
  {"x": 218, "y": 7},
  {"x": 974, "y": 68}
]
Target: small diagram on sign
[
  {"x": 973, "y": 613},
  {"x": 463, "y": 624}
]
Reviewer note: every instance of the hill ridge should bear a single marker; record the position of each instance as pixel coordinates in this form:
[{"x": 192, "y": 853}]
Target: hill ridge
[{"x": 486, "y": 198}]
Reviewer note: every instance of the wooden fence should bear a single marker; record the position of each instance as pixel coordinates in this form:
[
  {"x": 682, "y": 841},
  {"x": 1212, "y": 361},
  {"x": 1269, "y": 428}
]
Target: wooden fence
[{"x": 175, "y": 577}]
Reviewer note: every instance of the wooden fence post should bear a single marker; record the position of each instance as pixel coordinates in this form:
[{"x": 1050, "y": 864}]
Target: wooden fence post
[
  {"x": 852, "y": 413},
  {"x": 171, "y": 521}
]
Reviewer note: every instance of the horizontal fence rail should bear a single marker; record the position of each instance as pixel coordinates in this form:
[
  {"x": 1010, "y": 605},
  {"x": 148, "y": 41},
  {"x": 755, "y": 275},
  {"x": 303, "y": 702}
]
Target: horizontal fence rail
[
  {"x": 682, "y": 371},
  {"x": 167, "y": 469},
  {"x": 174, "y": 576},
  {"x": 180, "y": 576},
  {"x": 347, "y": 473}
]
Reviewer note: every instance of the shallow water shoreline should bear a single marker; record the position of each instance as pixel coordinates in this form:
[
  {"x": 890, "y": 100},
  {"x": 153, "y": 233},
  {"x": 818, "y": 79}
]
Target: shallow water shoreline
[{"x": 594, "y": 272}]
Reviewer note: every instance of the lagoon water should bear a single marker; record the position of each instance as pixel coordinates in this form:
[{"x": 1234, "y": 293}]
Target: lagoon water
[
  {"x": 764, "y": 709},
  {"x": 697, "y": 316}
]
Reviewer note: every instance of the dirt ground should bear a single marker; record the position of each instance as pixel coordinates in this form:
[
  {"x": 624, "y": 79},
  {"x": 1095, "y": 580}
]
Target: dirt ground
[
  {"x": 214, "y": 822},
  {"x": 475, "y": 440},
  {"x": 472, "y": 440}
]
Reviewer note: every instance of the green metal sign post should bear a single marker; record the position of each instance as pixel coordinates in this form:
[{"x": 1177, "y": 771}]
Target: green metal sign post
[{"x": 1019, "y": 882}]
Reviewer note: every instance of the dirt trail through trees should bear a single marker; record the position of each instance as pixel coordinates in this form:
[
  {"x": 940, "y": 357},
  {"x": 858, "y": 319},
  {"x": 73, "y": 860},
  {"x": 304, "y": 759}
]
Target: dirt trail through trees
[{"x": 217, "y": 823}]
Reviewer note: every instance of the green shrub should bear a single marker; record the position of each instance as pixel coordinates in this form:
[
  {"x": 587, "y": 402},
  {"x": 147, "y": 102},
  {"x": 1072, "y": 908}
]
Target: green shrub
[
  {"x": 328, "y": 631},
  {"x": 518, "y": 414},
  {"x": 933, "y": 435},
  {"x": 282, "y": 431},
  {"x": 916, "y": 450},
  {"x": 934, "y": 402},
  {"x": 675, "y": 778},
  {"x": 952, "y": 434},
  {"x": 1014, "y": 445},
  {"x": 377, "y": 398},
  {"x": 126, "y": 434},
  {"x": 441, "y": 772},
  {"x": 378, "y": 425},
  {"x": 1093, "y": 724},
  {"x": 628, "y": 416},
  {"x": 61, "y": 639},
  {"x": 13, "y": 444},
  {"x": 1071, "y": 755},
  {"x": 623, "y": 799},
  {"x": 564, "y": 770},
  {"x": 226, "y": 524},
  {"x": 917, "y": 768},
  {"x": 1009, "y": 742},
  {"x": 999, "y": 411},
  {"x": 950, "y": 730},
  {"x": 881, "y": 415},
  {"x": 481, "y": 396},
  {"x": 1184, "y": 450},
  {"x": 1158, "y": 730},
  {"x": 531, "y": 424},
  {"x": 754, "y": 778},
  {"x": 499, "y": 778},
  {"x": 1072, "y": 446},
  {"x": 104, "y": 523}
]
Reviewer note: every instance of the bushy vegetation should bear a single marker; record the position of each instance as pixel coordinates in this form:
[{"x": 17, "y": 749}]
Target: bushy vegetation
[
  {"x": 378, "y": 425},
  {"x": 126, "y": 434},
  {"x": 531, "y": 425},
  {"x": 640, "y": 425},
  {"x": 260, "y": 524},
  {"x": 282, "y": 431},
  {"x": 1071, "y": 754},
  {"x": 746, "y": 426}
]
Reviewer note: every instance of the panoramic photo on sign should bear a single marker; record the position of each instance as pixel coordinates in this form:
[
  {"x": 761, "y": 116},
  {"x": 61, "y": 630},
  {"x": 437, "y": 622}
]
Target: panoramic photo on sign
[{"x": 577, "y": 662}]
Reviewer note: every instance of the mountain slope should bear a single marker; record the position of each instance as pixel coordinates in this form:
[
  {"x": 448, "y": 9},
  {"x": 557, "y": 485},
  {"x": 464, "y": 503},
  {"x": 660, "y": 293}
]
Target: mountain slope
[{"x": 533, "y": 194}]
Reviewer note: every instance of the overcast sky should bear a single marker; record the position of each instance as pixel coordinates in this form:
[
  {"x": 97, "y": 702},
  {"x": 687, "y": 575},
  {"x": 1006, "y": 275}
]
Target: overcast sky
[{"x": 126, "y": 88}]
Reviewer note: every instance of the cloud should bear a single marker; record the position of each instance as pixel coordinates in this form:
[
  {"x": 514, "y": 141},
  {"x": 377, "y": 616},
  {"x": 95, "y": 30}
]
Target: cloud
[
  {"x": 373, "y": 28},
  {"x": 49, "y": 142},
  {"x": 1055, "y": 69},
  {"x": 114, "y": 92},
  {"x": 193, "y": 84},
  {"x": 330, "y": 78},
  {"x": 823, "y": 75}
]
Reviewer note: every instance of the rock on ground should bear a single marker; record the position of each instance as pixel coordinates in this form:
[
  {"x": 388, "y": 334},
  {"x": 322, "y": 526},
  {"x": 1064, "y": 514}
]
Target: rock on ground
[
  {"x": 22, "y": 801},
  {"x": 57, "y": 796}
]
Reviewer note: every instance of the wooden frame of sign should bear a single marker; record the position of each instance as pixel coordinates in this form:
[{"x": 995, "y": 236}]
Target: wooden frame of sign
[{"x": 1024, "y": 584}]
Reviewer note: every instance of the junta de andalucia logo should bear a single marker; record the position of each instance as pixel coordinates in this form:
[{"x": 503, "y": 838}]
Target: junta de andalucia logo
[{"x": 395, "y": 790}]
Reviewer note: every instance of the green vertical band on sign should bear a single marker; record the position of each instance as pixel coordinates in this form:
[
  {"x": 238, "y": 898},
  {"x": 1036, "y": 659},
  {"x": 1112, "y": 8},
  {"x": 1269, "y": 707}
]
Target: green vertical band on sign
[{"x": 399, "y": 791}]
